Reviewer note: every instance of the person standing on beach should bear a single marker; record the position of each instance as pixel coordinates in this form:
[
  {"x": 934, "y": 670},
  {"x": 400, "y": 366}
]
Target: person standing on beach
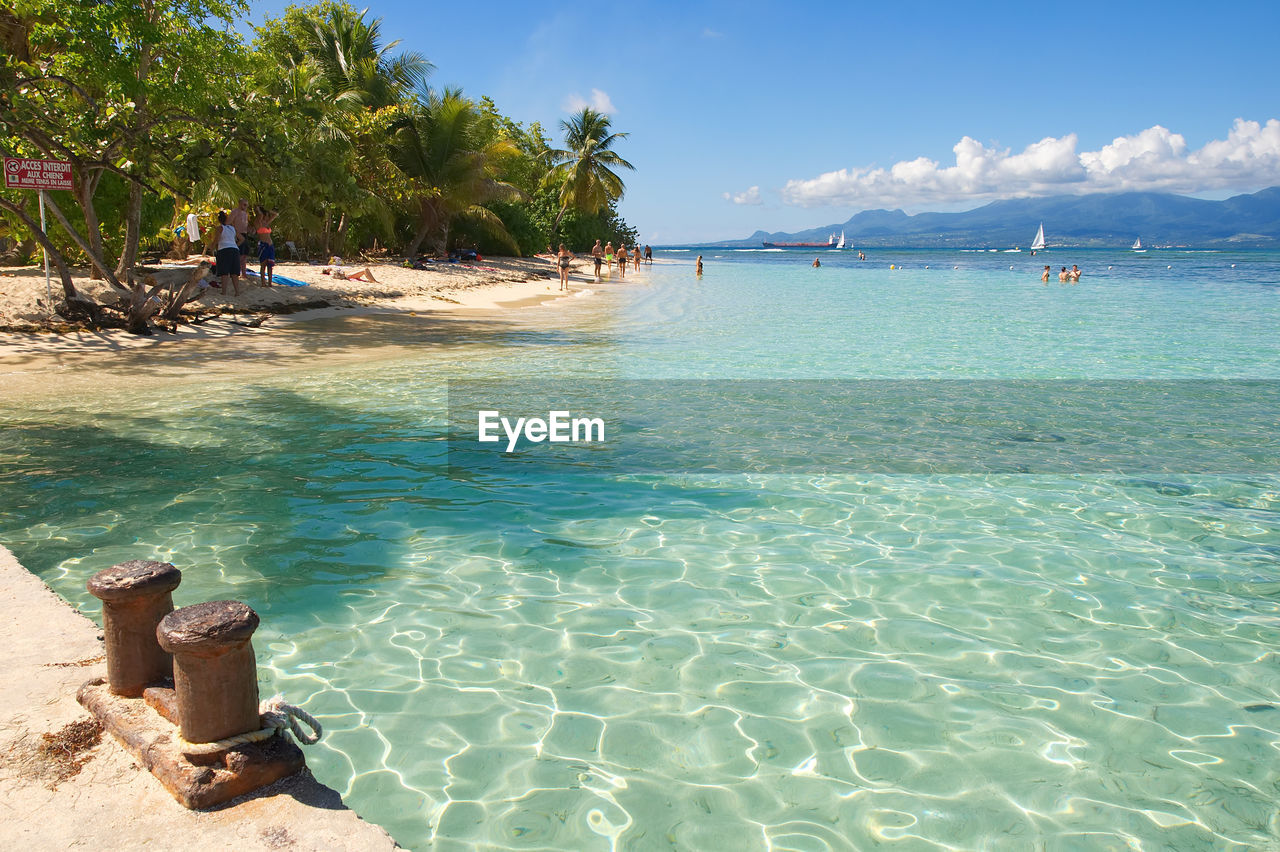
[
  {"x": 622, "y": 261},
  {"x": 648, "y": 255},
  {"x": 699, "y": 269},
  {"x": 227, "y": 260},
  {"x": 563, "y": 259},
  {"x": 266, "y": 246},
  {"x": 1045, "y": 276},
  {"x": 239, "y": 219},
  {"x": 597, "y": 254},
  {"x": 608, "y": 254}
]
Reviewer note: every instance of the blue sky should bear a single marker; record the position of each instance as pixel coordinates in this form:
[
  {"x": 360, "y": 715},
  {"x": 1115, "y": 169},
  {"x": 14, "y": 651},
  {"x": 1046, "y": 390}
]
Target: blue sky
[{"x": 826, "y": 108}]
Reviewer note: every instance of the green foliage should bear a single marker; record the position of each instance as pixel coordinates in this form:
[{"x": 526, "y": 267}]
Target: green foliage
[
  {"x": 586, "y": 169},
  {"x": 320, "y": 117}
]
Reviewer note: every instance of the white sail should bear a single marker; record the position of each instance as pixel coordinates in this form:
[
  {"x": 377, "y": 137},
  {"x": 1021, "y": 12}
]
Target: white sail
[
  {"x": 840, "y": 244},
  {"x": 1038, "y": 242},
  {"x": 1137, "y": 244}
]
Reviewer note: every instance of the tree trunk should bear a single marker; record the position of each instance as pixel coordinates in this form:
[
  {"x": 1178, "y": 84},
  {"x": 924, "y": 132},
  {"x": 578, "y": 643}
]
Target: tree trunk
[
  {"x": 341, "y": 238},
  {"x": 555, "y": 226},
  {"x": 423, "y": 227},
  {"x": 142, "y": 163},
  {"x": 86, "y": 185},
  {"x": 132, "y": 226},
  {"x": 94, "y": 258}
]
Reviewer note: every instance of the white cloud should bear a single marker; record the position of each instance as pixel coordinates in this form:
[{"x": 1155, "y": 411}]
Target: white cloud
[
  {"x": 1155, "y": 159},
  {"x": 599, "y": 102},
  {"x": 751, "y": 196}
]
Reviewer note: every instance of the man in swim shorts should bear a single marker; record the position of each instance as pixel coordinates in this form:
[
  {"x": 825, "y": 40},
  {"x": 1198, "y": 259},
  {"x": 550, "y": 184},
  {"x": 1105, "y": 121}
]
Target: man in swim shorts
[{"x": 597, "y": 254}]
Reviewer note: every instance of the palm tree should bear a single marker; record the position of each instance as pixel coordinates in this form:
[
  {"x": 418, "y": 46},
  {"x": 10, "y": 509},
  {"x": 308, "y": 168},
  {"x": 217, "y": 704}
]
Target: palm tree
[
  {"x": 451, "y": 154},
  {"x": 585, "y": 170},
  {"x": 354, "y": 63}
]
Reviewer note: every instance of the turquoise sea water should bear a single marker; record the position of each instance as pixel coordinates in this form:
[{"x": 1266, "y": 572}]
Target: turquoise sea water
[{"x": 586, "y": 656}]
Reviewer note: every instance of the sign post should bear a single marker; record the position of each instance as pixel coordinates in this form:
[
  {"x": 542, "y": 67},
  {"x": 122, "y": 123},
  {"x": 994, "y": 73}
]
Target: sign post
[{"x": 39, "y": 175}]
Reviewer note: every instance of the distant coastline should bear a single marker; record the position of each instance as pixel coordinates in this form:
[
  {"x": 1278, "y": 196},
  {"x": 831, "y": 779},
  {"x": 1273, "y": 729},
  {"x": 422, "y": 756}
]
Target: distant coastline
[{"x": 1086, "y": 221}]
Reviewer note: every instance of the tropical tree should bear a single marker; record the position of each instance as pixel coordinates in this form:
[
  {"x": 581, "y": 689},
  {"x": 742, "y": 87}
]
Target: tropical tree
[
  {"x": 116, "y": 89},
  {"x": 355, "y": 67},
  {"x": 584, "y": 170},
  {"x": 452, "y": 157}
]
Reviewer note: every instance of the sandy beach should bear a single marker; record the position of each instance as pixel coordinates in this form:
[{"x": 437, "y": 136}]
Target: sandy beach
[
  {"x": 409, "y": 305},
  {"x": 443, "y": 286}
]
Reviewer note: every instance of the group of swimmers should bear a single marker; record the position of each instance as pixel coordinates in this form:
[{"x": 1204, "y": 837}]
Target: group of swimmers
[
  {"x": 1071, "y": 275},
  {"x": 606, "y": 254},
  {"x": 602, "y": 254}
]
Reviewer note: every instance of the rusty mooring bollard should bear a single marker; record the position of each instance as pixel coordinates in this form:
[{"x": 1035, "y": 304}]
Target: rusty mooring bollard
[
  {"x": 135, "y": 596},
  {"x": 214, "y": 672}
]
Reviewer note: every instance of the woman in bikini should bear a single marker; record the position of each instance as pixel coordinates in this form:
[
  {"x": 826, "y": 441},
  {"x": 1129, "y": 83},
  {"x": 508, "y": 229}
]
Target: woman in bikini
[
  {"x": 266, "y": 248},
  {"x": 563, "y": 258}
]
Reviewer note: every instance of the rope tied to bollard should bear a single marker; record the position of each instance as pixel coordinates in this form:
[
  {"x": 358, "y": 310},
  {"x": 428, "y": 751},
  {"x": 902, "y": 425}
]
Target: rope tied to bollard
[{"x": 278, "y": 717}]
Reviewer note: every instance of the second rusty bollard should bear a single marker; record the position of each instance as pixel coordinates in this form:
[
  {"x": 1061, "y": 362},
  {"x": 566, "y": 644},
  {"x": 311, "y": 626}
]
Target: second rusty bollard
[
  {"x": 135, "y": 596},
  {"x": 215, "y": 675}
]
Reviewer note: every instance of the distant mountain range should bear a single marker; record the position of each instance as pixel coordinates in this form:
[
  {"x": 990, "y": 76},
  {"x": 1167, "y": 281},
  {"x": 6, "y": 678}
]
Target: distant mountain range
[{"x": 1069, "y": 220}]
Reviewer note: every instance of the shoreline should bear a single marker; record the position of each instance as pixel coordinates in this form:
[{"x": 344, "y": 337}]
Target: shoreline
[{"x": 409, "y": 305}]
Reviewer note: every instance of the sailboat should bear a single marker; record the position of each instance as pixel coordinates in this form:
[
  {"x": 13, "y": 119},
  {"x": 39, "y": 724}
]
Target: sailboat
[
  {"x": 840, "y": 244},
  {"x": 1038, "y": 243},
  {"x": 1137, "y": 245}
]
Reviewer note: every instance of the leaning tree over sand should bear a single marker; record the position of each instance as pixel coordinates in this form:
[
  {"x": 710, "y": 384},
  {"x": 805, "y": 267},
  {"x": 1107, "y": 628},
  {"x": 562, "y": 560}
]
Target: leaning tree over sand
[{"x": 584, "y": 169}]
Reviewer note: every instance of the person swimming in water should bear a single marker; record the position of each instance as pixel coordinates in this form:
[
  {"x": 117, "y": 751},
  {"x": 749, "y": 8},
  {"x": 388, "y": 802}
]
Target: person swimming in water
[
  {"x": 1074, "y": 274},
  {"x": 1064, "y": 275},
  {"x": 1045, "y": 276},
  {"x": 699, "y": 269}
]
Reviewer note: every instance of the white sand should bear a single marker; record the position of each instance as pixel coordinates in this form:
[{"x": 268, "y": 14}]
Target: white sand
[{"x": 23, "y": 301}]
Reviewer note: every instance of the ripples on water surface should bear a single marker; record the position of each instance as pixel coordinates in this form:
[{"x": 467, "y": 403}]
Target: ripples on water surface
[{"x": 601, "y": 659}]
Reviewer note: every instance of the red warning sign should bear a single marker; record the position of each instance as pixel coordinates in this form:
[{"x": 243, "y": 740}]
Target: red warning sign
[{"x": 36, "y": 174}]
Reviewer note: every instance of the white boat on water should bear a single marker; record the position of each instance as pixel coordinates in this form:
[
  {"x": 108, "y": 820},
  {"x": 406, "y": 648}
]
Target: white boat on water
[
  {"x": 1137, "y": 246},
  {"x": 1038, "y": 243},
  {"x": 840, "y": 244}
]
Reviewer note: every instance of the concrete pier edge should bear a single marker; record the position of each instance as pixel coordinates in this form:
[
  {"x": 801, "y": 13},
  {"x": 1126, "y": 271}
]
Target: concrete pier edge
[{"x": 110, "y": 802}]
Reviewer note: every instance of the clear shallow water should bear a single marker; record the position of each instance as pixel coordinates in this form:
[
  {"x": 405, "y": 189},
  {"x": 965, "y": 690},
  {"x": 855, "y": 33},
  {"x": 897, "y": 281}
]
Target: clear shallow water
[{"x": 594, "y": 659}]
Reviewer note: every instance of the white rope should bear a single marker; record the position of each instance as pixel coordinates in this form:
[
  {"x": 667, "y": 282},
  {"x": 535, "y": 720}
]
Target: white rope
[{"x": 278, "y": 717}]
